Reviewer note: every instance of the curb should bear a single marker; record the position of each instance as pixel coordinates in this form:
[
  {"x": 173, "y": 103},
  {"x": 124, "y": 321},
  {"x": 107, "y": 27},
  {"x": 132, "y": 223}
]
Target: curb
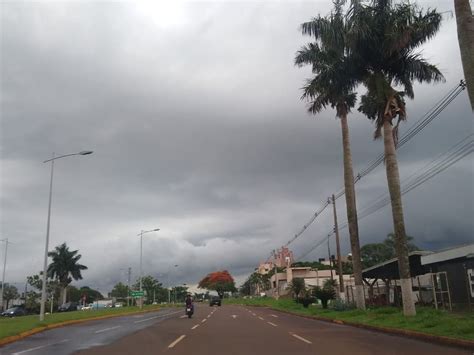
[
  {"x": 27, "y": 333},
  {"x": 442, "y": 340}
]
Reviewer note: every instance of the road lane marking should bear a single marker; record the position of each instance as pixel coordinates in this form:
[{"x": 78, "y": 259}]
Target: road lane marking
[
  {"x": 107, "y": 329},
  {"x": 209, "y": 316},
  {"x": 158, "y": 316},
  {"x": 272, "y": 324},
  {"x": 183, "y": 316},
  {"x": 253, "y": 314},
  {"x": 273, "y": 315},
  {"x": 234, "y": 316},
  {"x": 40, "y": 347},
  {"x": 261, "y": 318},
  {"x": 197, "y": 325},
  {"x": 301, "y": 338},
  {"x": 176, "y": 341},
  {"x": 203, "y": 320}
]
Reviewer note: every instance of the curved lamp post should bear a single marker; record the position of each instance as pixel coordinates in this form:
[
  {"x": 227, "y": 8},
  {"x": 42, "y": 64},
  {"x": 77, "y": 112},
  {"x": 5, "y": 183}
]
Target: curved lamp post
[
  {"x": 45, "y": 266},
  {"x": 141, "y": 258}
]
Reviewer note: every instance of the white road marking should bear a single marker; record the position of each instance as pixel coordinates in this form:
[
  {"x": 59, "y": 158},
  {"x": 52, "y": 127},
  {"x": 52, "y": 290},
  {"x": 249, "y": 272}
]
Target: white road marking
[
  {"x": 176, "y": 341},
  {"x": 197, "y": 325},
  {"x": 273, "y": 315},
  {"x": 253, "y": 314},
  {"x": 40, "y": 347},
  {"x": 107, "y": 329},
  {"x": 203, "y": 320},
  {"x": 301, "y": 338},
  {"x": 234, "y": 316},
  {"x": 272, "y": 324},
  {"x": 183, "y": 316},
  {"x": 209, "y": 316},
  {"x": 260, "y": 318},
  {"x": 158, "y": 316}
]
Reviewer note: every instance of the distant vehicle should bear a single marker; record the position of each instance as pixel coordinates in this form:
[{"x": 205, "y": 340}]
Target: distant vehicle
[
  {"x": 68, "y": 307},
  {"x": 14, "y": 312},
  {"x": 215, "y": 300}
]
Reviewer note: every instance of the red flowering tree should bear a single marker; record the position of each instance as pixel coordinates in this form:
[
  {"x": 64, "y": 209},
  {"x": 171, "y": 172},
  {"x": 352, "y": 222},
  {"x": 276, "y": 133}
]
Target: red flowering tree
[{"x": 219, "y": 281}]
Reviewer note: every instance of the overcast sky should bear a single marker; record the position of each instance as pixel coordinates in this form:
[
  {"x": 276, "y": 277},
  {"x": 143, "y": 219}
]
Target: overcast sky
[{"x": 193, "y": 112}]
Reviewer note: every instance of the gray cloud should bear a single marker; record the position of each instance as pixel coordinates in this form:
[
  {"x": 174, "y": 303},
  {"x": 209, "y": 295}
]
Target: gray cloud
[{"x": 194, "y": 115}]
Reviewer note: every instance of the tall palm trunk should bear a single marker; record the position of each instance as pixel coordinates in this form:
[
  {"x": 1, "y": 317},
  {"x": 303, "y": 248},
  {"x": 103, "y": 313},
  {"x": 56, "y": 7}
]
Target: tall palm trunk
[
  {"x": 352, "y": 213},
  {"x": 465, "y": 23},
  {"x": 393, "y": 179},
  {"x": 64, "y": 295}
]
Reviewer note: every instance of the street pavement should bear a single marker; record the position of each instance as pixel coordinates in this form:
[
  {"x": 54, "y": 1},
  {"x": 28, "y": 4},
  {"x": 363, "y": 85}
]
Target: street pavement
[
  {"x": 68, "y": 339},
  {"x": 224, "y": 330}
]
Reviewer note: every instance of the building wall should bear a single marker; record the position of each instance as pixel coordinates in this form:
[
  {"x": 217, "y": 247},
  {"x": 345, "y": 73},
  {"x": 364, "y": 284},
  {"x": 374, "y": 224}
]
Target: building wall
[{"x": 461, "y": 284}]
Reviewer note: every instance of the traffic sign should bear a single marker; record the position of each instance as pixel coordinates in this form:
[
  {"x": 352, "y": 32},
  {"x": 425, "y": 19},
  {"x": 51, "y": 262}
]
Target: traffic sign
[{"x": 137, "y": 294}]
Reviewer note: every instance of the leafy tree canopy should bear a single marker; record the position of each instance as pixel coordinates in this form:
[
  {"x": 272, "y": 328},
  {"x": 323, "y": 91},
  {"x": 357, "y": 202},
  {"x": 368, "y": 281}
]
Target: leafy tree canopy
[
  {"x": 376, "y": 253},
  {"x": 219, "y": 281}
]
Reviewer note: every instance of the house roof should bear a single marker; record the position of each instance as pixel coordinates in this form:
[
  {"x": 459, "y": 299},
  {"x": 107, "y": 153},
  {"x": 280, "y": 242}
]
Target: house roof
[
  {"x": 389, "y": 269},
  {"x": 463, "y": 251}
]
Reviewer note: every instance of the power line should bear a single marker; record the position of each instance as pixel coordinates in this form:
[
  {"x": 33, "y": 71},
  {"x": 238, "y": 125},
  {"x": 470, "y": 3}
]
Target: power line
[
  {"x": 445, "y": 160},
  {"x": 411, "y": 132}
]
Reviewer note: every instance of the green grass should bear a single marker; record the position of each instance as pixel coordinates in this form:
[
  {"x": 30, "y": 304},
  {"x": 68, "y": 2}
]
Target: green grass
[
  {"x": 427, "y": 320},
  {"x": 17, "y": 325}
]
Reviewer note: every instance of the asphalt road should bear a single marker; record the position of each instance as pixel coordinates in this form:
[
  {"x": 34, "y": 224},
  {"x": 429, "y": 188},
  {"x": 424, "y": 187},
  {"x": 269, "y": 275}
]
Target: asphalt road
[
  {"x": 67, "y": 340},
  {"x": 221, "y": 330}
]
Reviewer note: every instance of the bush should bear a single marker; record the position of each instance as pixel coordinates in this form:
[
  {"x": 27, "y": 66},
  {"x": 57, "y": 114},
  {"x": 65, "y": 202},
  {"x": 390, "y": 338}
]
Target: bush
[
  {"x": 325, "y": 293},
  {"x": 341, "y": 305}
]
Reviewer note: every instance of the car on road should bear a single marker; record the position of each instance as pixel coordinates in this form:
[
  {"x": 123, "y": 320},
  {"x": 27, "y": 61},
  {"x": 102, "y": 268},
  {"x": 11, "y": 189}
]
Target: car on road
[
  {"x": 68, "y": 307},
  {"x": 215, "y": 300},
  {"x": 14, "y": 312}
]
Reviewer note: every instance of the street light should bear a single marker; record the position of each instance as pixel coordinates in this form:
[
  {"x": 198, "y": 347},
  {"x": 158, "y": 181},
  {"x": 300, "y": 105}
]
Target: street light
[
  {"x": 45, "y": 266},
  {"x": 141, "y": 259},
  {"x": 4, "y": 268}
]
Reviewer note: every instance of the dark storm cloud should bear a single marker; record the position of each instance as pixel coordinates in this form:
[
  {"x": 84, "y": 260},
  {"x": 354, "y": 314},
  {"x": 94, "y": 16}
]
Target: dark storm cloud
[{"x": 195, "y": 119}]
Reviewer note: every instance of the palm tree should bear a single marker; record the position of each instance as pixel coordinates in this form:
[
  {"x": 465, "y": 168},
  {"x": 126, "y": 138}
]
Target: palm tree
[
  {"x": 465, "y": 23},
  {"x": 384, "y": 38},
  {"x": 65, "y": 267},
  {"x": 297, "y": 286},
  {"x": 333, "y": 85}
]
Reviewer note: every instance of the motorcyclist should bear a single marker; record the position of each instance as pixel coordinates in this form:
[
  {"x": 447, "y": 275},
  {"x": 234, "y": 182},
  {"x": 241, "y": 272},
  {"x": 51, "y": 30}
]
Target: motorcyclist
[{"x": 189, "y": 303}]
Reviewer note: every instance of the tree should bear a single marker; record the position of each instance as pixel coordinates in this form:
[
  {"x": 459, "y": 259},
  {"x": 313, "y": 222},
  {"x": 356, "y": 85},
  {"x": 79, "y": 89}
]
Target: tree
[
  {"x": 119, "y": 291},
  {"x": 297, "y": 286},
  {"x": 90, "y": 294},
  {"x": 179, "y": 293},
  {"x": 36, "y": 281},
  {"x": 10, "y": 293},
  {"x": 153, "y": 289},
  {"x": 335, "y": 80},
  {"x": 384, "y": 38},
  {"x": 325, "y": 293},
  {"x": 65, "y": 267},
  {"x": 219, "y": 281},
  {"x": 465, "y": 23},
  {"x": 376, "y": 253}
]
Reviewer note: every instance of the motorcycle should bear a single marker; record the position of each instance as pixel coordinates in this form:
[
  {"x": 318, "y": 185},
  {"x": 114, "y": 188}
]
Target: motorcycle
[{"x": 189, "y": 311}]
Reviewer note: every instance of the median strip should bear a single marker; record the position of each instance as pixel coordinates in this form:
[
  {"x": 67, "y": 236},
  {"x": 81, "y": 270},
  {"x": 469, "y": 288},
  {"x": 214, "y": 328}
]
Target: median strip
[{"x": 172, "y": 345}]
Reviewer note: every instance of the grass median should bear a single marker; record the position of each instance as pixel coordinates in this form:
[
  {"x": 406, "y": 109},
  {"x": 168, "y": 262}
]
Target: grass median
[
  {"x": 427, "y": 320},
  {"x": 18, "y": 325}
]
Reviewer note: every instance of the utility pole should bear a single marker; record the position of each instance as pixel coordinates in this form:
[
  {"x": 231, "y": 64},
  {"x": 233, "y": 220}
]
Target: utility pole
[
  {"x": 128, "y": 282},
  {"x": 4, "y": 268},
  {"x": 329, "y": 258},
  {"x": 338, "y": 251}
]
